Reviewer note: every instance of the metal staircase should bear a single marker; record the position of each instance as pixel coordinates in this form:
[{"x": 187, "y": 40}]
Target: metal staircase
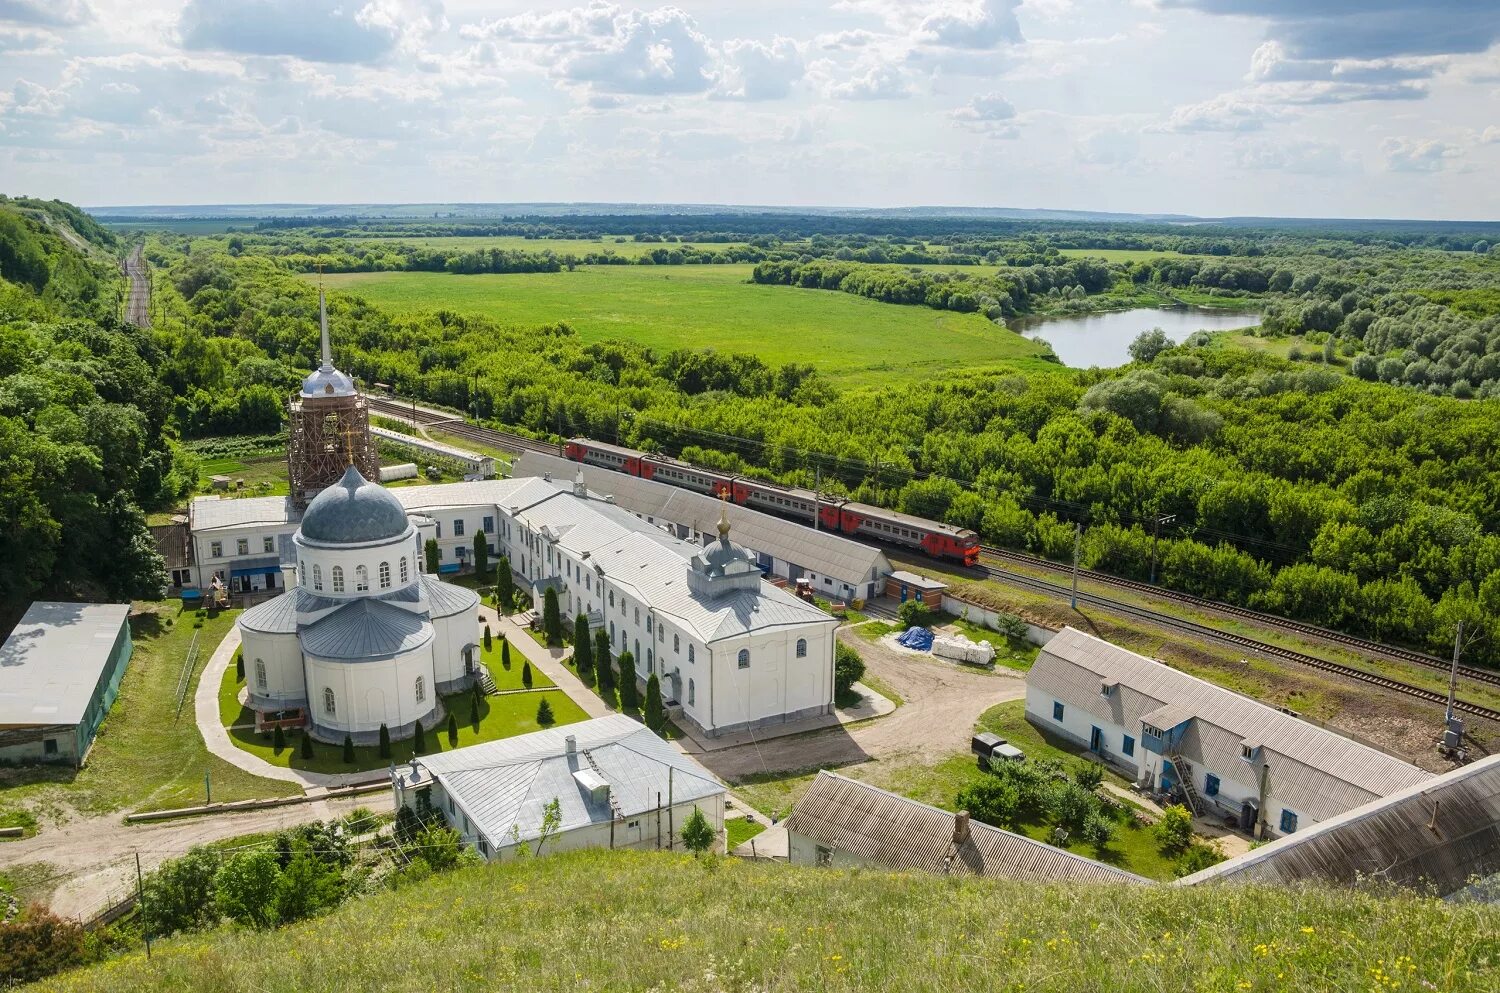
[
  {"x": 486, "y": 682},
  {"x": 1185, "y": 781}
]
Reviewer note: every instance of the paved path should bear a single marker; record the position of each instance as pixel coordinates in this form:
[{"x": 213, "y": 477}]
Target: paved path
[
  {"x": 548, "y": 661},
  {"x": 941, "y": 704},
  {"x": 91, "y": 861},
  {"x": 206, "y": 708}
]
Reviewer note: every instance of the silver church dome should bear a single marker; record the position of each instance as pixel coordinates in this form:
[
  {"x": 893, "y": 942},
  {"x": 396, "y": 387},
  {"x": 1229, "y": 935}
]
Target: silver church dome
[{"x": 354, "y": 511}]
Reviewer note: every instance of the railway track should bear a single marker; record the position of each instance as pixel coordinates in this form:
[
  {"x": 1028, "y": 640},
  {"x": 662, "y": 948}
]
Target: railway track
[
  {"x": 455, "y": 425},
  {"x": 506, "y": 441},
  {"x": 1371, "y": 648},
  {"x": 138, "y": 300},
  {"x": 1240, "y": 641}
]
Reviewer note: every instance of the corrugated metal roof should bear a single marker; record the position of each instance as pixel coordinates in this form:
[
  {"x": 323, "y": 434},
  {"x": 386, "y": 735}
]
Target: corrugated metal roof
[
  {"x": 1439, "y": 835},
  {"x": 446, "y": 599},
  {"x": 877, "y": 826},
  {"x": 1314, "y": 771},
  {"x": 278, "y": 615},
  {"x": 366, "y": 630},
  {"x": 822, "y": 552},
  {"x": 51, "y": 663},
  {"x": 508, "y": 783},
  {"x": 207, "y": 513},
  {"x": 920, "y": 582}
]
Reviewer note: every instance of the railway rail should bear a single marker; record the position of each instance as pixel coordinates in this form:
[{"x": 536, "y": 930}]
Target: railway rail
[
  {"x": 138, "y": 295},
  {"x": 1372, "y": 648},
  {"x": 506, "y": 441},
  {"x": 1240, "y": 641}
]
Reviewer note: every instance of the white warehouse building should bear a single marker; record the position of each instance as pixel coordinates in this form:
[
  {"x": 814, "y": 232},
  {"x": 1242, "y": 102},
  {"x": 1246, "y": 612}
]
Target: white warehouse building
[
  {"x": 1272, "y": 772},
  {"x": 731, "y": 650}
]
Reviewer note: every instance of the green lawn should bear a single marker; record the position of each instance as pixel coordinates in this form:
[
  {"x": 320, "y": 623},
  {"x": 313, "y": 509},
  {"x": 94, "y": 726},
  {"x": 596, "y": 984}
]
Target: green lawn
[
  {"x": 510, "y": 679},
  {"x": 851, "y": 339},
  {"x": 740, "y": 829},
  {"x": 502, "y": 716},
  {"x": 146, "y": 756},
  {"x": 262, "y": 477}
]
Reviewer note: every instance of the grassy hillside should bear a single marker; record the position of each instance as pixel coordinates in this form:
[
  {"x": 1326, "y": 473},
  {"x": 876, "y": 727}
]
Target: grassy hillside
[
  {"x": 851, "y": 340},
  {"x": 618, "y": 921}
]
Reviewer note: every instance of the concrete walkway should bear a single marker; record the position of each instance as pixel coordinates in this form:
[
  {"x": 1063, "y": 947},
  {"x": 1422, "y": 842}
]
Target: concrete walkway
[
  {"x": 548, "y": 661},
  {"x": 871, "y": 705},
  {"x": 216, "y": 737}
]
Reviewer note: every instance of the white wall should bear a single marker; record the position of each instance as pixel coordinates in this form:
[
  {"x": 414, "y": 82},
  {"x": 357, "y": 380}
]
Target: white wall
[
  {"x": 639, "y": 832},
  {"x": 1077, "y": 724},
  {"x": 285, "y": 682},
  {"x": 369, "y": 694},
  {"x": 450, "y": 635},
  {"x": 316, "y": 561},
  {"x": 776, "y": 683},
  {"x": 206, "y": 564}
]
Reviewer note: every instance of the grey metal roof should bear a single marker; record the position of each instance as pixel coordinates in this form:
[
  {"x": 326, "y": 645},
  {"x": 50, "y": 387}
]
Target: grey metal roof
[
  {"x": 51, "y": 663},
  {"x": 278, "y": 615},
  {"x": 366, "y": 630},
  {"x": 1167, "y": 717},
  {"x": 1314, "y": 771},
  {"x": 446, "y": 599},
  {"x": 920, "y": 582},
  {"x": 1438, "y": 835},
  {"x": 353, "y": 511},
  {"x": 208, "y": 513},
  {"x": 873, "y": 825},
  {"x": 822, "y": 552},
  {"x": 506, "y": 783},
  {"x": 428, "y": 445}
]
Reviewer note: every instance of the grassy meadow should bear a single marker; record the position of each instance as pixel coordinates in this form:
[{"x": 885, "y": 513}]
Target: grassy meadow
[
  {"x": 852, "y": 340},
  {"x": 601, "y": 920}
]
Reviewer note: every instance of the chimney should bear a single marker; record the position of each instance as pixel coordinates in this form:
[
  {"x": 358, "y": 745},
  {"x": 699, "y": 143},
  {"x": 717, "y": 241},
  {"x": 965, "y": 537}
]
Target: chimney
[
  {"x": 960, "y": 827},
  {"x": 572, "y": 745}
]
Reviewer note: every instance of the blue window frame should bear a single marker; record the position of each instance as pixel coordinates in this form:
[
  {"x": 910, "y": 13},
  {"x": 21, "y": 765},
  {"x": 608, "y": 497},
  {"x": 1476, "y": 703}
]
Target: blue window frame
[
  {"x": 1288, "y": 822},
  {"x": 1057, "y": 710},
  {"x": 1127, "y": 745},
  {"x": 1211, "y": 785}
]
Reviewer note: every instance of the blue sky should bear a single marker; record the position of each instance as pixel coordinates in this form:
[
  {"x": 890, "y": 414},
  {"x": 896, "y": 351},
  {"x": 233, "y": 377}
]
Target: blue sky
[{"x": 1210, "y": 107}]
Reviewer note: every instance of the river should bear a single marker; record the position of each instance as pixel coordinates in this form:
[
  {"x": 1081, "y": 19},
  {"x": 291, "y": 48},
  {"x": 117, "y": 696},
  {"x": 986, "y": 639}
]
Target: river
[{"x": 1104, "y": 339}]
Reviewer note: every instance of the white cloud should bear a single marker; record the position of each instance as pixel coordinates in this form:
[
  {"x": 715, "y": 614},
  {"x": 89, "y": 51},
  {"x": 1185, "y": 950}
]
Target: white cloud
[
  {"x": 27, "y": 41},
  {"x": 1108, "y": 146},
  {"x": 1418, "y": 155},
  {"x": 986, "y": 107},
  {"x": 53, "y": 13},
  {"x": 753, "y": 71},
  {"x": 877, "y": 82},
  {"x": 976, "y": 24},
  {"x": 1222, "y": 113},
  {"x": 1298, "y": 157},
  {"x": 335, "y": 31}
]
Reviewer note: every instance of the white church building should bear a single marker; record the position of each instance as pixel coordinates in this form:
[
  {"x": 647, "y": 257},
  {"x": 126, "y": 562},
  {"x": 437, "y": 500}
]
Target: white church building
[{"x": 361, "y": 638}]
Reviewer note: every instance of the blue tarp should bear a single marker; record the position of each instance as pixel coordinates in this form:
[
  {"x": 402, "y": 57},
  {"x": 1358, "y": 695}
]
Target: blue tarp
[{"x": 918, "y": 638}]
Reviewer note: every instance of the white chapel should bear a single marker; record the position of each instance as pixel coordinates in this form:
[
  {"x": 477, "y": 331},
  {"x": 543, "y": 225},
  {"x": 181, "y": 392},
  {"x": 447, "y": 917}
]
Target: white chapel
[{"x": 362, "y": 638}]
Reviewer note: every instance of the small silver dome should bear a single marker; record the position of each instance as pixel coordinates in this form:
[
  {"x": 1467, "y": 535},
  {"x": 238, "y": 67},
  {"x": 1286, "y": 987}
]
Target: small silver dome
[
  {"x": 327, "y": 382},
  {"x": 354, "y": 511}
]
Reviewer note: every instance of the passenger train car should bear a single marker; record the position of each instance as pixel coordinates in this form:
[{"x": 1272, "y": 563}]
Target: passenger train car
[{"x": 942, "y": 541}]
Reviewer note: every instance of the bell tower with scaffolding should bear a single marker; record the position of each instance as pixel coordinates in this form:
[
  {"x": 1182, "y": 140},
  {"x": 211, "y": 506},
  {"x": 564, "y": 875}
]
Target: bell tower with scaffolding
[{"x": 329, "y": 425}]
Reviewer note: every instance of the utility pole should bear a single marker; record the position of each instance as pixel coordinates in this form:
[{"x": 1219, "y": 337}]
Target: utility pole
[
  {"x": 140, "y": 902},
  {"x": 1156, "y": 522},
  {"x": 1077, "y": 544}
]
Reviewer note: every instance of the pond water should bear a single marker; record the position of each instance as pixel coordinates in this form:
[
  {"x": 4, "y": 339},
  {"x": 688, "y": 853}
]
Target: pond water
[{"x": 1104, "y": 339}]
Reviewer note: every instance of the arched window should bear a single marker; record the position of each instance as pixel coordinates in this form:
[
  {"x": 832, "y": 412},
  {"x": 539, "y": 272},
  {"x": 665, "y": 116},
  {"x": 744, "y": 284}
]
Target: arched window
[
  {"x": 692, "y": 693},
  {"x": 676, "y": 644},
  {"x": 421, "y": 689},
  {"x": 690, "y": 654},
  {"x": 385, "y": 575},
  {"x": 328, "y": 705},
  {"x": 650, "y": 662},
  {"x": 302, "y": 571},
  {"x": 404, "y": 578},
  {"x": 744, "y": 658},
  {"x": 361, "y": 579},
  {"x": 802, "y": 648},
  {"x": 338, "y": 579},
  {"x": 611, "y": 598},
  {"x": 318, "y": 577},
  {"x": 260, "y": 673}
]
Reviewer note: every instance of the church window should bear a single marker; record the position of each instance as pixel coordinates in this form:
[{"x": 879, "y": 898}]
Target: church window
[
  {"x": 421, "y": 690},
  {"x": 269, "y": 544},
  {"x": 638, "y": 618},
  {"x": 744, "y": 658},
  {"x": 802, "y": 648},
  {"x": 385, "y": 575},
  {"x": 403, "y": 569},
  {"x": 302, "y": 572},
  {"x": 328, "y": 704},
  {"x": 650, "y": 662},
  {"x": 338, "y": 579},
  {"x": 361, "y": 579},
  {"x": 692, "y": 693},
  {"x": 318, "y": 577},
  {"x": 690, "y": 654},
  {"x": 216, "y": 549},
  {"x": 260, "y": 673},
  {"x": 611, "y": 598},
  {"x": 242, "y": 546},
  {"x": 648, "y": 624},
  {"x": 676, "y": 645}
]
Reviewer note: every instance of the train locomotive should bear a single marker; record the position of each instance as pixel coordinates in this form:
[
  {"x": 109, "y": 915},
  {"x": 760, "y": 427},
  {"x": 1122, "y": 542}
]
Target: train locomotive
[{"x": 941, "y": 541}]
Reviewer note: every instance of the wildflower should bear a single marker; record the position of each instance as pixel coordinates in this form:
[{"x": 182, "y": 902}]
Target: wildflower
[{"x": 1308, "y": 930}]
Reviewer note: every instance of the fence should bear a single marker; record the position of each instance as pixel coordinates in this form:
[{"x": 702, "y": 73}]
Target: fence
[{"x": 990, "y": 618}]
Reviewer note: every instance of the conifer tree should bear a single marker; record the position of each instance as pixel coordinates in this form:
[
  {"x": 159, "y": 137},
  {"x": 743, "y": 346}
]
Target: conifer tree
[
  {"x": 697, "y": 833},
  {"x": 544, "y": 714},
  {"x": 278, "y": 739},
  {"x": 505, "y": 651},
  {"x": 606, "y": 673},
  {"x": 474, "y": 713},
  {"x": 551, "y": 617},
  {"x": 630, "y": 699},
  {"x": 481, "y": 554},
  {"x": 348, "y": 750},
  {"x": 583, "y": 648},
  {"x": 505, "y": 587},
  {"x": 452, "y": 731},
  {"x": 385, "y": 742},
  {"x": 419, "y": 740},
  {"x": 526, "y": 674},
  {"x": 488, "y": 644},
  {"x": 307, "y": 745},
  {"x": 655, "y": 715}
]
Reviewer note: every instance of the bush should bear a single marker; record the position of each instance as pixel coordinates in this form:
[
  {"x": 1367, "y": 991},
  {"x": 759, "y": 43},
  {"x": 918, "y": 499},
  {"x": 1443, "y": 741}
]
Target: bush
[
  {"x": 385, "y": 742},
  {"x": 544, "y": 714},
  {"x": 848, "y": 668},
  {"x": 1197, "y": 858},
  {"x": 697, "y": 833},
  {"x": 992, "y": 800},
  {"x": 1098, "y": 830},
  {"x": 245, "y": 888},
  {"x": 526, "y": 674},
  {"x": 1174, "y": 831},
  {"x": 1011, "y": 626},
  {"x": 38, "y": 945},
  {"x": 1089, "y": 775},
  {"x": 915, "y": 614},
  {"x": 441, "y": 847},
  {"x": 1072, "y": 806},
  {"x": 179, "y": 895}
]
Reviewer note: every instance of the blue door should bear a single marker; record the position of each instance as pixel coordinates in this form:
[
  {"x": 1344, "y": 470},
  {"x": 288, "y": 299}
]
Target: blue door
[
  {"x": 1095, "y": 737},
  {"x": 903, "y": 594}
]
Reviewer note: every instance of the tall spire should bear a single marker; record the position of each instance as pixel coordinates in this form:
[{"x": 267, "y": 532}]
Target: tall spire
[{"x": 323, "y": 324}]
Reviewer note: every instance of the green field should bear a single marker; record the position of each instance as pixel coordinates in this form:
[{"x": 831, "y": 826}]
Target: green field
[
  {"x": 852, "y": 340},
  {"x": 625, "y": 248}
]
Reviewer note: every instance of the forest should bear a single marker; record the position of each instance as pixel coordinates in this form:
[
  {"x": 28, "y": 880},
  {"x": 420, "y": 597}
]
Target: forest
[{"x": 1323, "y": 491}]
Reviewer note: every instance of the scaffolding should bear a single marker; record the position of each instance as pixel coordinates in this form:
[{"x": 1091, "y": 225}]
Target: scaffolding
[{"x": 328, "y": 426}]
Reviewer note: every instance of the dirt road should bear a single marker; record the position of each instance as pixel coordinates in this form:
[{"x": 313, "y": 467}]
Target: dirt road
[
  {"x": 138, "y": 304},
  {"x": 91, "y": 862},
  {"x": 941, "y": 704}
]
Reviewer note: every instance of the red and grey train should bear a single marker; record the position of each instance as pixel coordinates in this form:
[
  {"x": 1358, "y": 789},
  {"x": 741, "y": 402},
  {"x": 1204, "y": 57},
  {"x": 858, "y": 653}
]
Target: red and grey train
[{"x": 943, "y": 541}]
